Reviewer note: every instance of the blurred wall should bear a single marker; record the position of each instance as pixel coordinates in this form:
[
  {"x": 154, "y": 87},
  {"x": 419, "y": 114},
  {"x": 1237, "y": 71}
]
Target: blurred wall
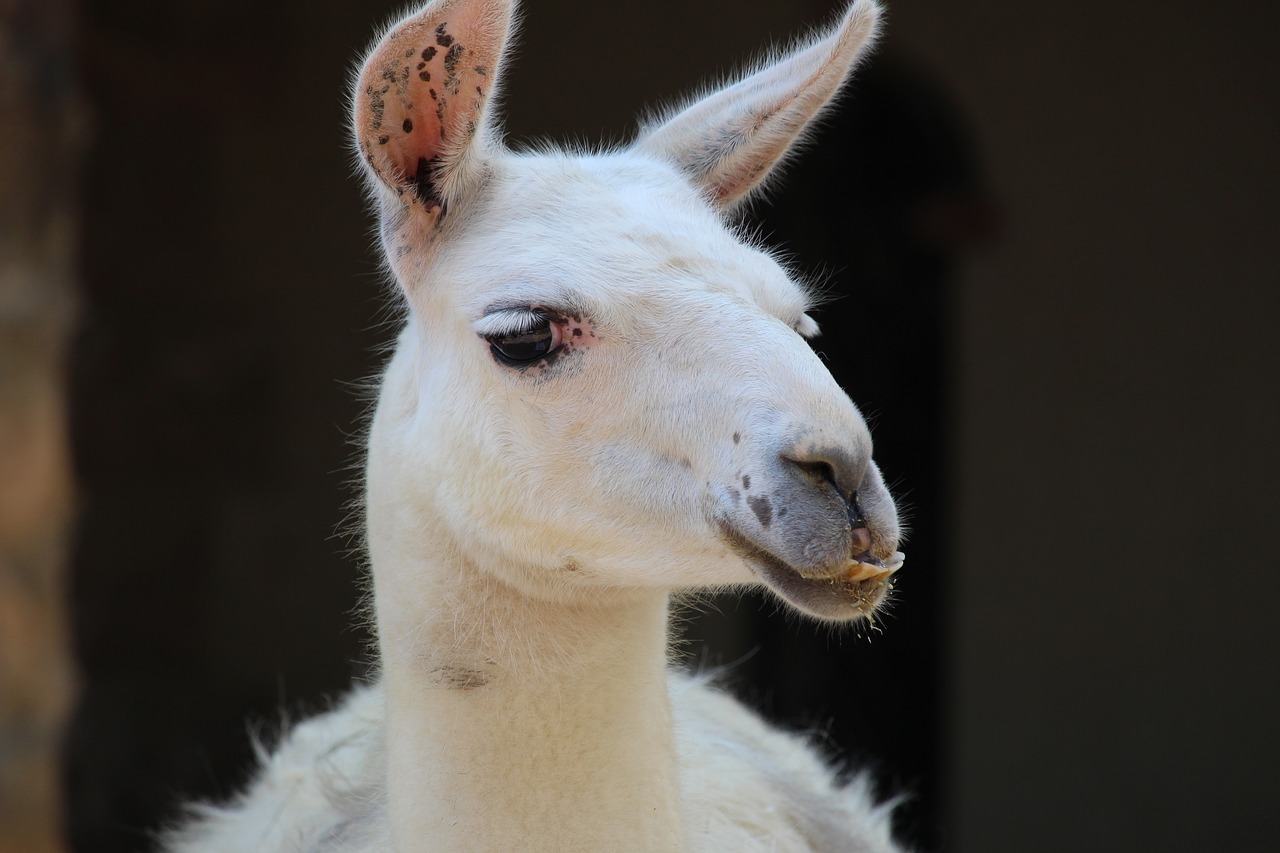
[
  {"x": 40, "y": 149},
  {"x": 1113, "y": 647}
]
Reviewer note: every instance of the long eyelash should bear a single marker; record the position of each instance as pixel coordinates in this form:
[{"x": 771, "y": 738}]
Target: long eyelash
[{"x": 509, "y": 321}]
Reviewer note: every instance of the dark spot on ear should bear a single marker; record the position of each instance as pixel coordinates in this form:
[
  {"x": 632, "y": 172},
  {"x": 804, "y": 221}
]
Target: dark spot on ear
[
  {"x": 762, "y": 508},
  {"x": 400, "y": 79},
  {"x": 382, "y": 140},
  {"x": 479, "y": 91},
  {"x": 424, "y": 183},
  {"x": 571, "y": 565},
  {"x": 735, "y": 496},
  {"x": 421, "y": 65},
  {"x": 451, "y": 58},
  {"x": 377, "y": 104},
  {"x": 737, "y": 436},
  {"x": 408, "y": 53},
  {"x": 451, "y": 79},
  {"x": 428, "y": 54},
  {"x": 432, "y": 92},
  {"x": 443, "y": 38},
  {"x": 577, "y": 332},
  {"x": 782, "y": 510},
  {"x": 424, "y": 76},
  {"x": 482, "y": 70},
  {"x": 408, "y": 126},
  {"x": 746, "y": 481}
]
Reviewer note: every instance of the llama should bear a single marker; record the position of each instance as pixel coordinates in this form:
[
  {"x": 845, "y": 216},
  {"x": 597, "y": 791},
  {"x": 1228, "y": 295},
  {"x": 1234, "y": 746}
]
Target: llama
[{"x": 602, "y": 395}]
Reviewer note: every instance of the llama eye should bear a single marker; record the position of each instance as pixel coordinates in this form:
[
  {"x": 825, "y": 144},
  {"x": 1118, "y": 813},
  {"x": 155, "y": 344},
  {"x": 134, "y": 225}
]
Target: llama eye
[{"x": 519, "y": 348}]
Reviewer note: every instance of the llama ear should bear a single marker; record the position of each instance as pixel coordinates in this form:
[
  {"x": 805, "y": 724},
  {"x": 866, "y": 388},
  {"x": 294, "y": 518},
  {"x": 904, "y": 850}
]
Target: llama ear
[
  {"x": 419, "y": 108},
  {"x": 729, "y": 140}
]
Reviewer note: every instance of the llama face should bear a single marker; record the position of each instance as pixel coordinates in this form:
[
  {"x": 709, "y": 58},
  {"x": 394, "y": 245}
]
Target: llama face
[{"x": 599, "y": 383}]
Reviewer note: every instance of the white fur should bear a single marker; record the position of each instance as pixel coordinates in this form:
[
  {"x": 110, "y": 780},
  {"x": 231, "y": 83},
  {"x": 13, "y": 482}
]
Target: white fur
[
  {"x": 527, "y": 525},
  {"x": 747, "y": 787}
]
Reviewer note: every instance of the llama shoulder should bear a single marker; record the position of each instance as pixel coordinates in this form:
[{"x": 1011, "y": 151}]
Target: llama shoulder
[
  {"x": 746, "y": 786},
  {"x": 750, "y": 786},
  {"x": 317, "y": 791}
]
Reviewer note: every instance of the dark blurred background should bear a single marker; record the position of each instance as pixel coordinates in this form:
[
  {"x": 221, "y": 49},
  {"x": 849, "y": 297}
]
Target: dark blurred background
[{"x": 1053, "y": 231}]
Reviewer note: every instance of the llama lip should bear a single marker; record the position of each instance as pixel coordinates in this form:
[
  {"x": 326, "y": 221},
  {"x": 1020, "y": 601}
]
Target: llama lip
[{"x": 851, "y": 593}]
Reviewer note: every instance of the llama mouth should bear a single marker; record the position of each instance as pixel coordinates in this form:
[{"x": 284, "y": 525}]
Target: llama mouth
[{"x": 852, "y": 592}]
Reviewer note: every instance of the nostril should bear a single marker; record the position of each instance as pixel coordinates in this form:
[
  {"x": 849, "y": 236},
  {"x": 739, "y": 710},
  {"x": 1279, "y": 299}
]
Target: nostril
[
  {"x": 819, "y": 472},
  {"x": 843, "y": 468}
]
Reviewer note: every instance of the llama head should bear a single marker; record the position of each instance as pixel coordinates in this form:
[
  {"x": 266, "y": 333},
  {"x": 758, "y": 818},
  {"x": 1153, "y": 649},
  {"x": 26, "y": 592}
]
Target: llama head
[{"x": 600, "y": 384}]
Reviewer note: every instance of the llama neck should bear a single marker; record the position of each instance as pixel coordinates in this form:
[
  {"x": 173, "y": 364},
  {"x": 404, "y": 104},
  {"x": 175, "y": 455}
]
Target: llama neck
[{"x": 515, "y": 722}]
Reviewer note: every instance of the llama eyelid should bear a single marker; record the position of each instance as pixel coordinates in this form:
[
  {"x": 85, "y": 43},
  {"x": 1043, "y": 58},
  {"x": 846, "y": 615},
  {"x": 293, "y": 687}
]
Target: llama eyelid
[{"x": 511, "y": 321}]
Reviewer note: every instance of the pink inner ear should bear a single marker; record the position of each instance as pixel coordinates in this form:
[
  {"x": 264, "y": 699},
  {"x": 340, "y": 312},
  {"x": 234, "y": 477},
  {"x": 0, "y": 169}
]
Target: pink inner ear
[{"x": 418, "y": 102}]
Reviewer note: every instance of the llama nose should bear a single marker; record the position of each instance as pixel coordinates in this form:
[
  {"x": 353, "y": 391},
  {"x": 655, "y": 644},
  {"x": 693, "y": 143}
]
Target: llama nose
[{"x": 844, "y": 471}]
